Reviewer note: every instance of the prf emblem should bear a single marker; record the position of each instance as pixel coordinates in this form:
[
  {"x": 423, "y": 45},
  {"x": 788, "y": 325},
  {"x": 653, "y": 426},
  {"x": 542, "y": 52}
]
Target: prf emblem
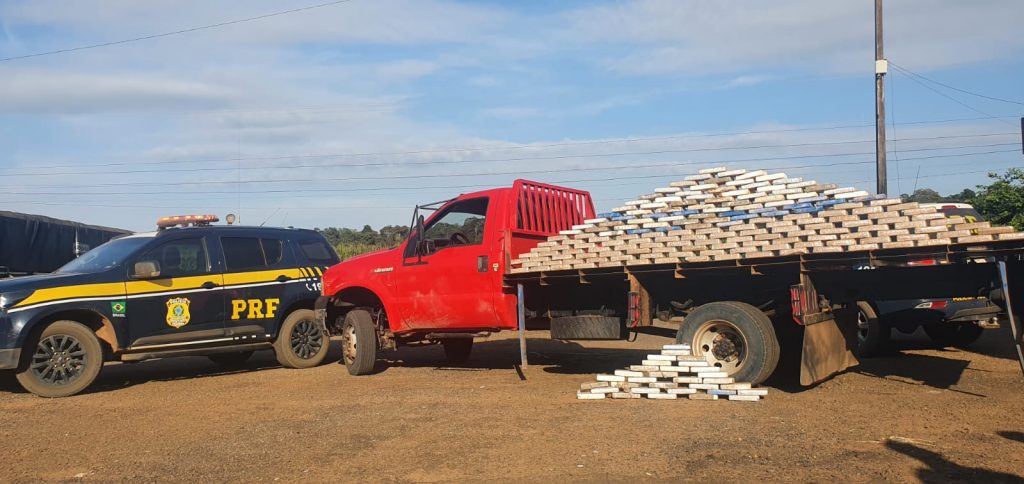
[{"x": 177, "y": 312}]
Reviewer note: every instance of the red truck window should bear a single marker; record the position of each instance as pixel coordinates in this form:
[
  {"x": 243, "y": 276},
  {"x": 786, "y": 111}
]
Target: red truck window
[{"x": 461, "y": 223}]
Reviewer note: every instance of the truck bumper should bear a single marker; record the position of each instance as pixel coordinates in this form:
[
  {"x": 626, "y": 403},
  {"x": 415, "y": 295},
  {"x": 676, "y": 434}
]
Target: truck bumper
[
  {"x": 975, "y": 314},
  {"x": 9, "y": 358},
  {"x": 320, "y": 311}
]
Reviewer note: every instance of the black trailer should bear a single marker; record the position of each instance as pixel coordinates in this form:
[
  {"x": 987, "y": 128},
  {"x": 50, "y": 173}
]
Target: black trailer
[
  {"x": 744, "y": 314},
  {"x": 31, "y": 244}
]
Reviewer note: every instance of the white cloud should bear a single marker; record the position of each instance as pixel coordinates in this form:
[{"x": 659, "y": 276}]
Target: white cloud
[
  {"x": 513, "y": 112},
  {"x": 377, "y": 21},
  {"x": 49, "y": 91},
  {"x": 728, "y": 36}
]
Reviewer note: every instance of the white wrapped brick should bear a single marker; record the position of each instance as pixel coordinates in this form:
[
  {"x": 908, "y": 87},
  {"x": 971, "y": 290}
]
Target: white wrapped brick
[{"x": 712, "y": 171}]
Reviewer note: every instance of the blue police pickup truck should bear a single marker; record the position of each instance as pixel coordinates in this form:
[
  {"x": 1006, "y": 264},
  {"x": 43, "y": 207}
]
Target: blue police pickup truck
[
  {"x": 189, "y": 288},
  {"x": 957, "y": 321}
]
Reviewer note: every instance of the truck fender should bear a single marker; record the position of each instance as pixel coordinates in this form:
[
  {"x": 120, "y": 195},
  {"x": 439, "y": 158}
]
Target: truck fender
[
  {"x": 360, "y": 296},
  {"x": 91, "y": 318}
]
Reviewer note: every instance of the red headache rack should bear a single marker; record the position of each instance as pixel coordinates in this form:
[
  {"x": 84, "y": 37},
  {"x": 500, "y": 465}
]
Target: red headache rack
[{"x": 544, "y": 209}]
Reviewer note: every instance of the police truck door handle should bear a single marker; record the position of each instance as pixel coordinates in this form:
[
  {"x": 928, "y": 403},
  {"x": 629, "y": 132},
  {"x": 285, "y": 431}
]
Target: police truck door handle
[
  {"x": 283, "y": 278},
  {"x": 208, "y": 285}
]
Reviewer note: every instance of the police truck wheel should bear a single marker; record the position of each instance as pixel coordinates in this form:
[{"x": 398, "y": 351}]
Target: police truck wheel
[
  {"x": 733, "y": 336},
  {"x": 302, "y": 342},
  {"x": 230, "y": 359},
  {"x": 457, "y": 350},
  {"x": 64, "y": 360},
  {"x": 359, "y": 342},
  {"x": 872, "y": 334}
]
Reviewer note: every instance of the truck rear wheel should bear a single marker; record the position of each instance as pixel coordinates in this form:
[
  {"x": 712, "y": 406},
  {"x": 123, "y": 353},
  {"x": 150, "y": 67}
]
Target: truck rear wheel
[
  {"x": 960, "y": 335},
  {"x": 872, "y": 334},
  {"x": 457, "y": 350},
  {"x": 64, "y": 361},
  {"x": 359, "y": 342},
  {"x": 733, "y": 336}
]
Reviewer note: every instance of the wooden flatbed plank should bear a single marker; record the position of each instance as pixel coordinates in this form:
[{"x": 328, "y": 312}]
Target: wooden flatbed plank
[{"x": 947, "y": 252}]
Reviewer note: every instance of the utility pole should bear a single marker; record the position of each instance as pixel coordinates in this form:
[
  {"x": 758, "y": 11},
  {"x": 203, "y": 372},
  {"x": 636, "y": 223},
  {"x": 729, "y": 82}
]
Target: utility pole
[{"x": 881, "y": 67}]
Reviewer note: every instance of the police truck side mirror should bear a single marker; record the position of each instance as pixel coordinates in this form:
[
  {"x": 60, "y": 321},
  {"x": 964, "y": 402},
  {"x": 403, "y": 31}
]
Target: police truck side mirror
[{"x": 147, "y": 269}]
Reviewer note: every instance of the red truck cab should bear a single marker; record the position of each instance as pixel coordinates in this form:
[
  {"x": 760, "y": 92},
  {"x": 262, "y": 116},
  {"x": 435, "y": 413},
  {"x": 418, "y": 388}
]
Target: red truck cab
[{"x": 444, "y": 283}]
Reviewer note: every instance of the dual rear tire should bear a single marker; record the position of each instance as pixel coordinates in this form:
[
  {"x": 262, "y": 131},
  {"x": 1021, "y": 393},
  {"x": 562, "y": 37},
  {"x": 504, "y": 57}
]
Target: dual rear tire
[{"x": 736, "y": 337}]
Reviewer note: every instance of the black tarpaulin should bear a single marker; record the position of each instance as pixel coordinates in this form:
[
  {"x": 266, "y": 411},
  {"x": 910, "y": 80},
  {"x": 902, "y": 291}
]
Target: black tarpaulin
[{"x": 33, "y": 243}]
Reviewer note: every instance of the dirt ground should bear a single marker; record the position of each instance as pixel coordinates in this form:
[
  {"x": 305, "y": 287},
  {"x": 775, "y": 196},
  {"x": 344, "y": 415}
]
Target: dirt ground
[{"x": 918, "y": 414}]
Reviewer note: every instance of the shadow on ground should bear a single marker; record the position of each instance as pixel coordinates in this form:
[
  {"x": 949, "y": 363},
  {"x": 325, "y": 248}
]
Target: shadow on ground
[
  {"x": 932, "y": 371},
  {"x": 122, "y": 375},
  {"x": 940, "y": 469},
  {"x": 997, "y": 343},
  {"x": 1011, "y": 435},
  {"x": 556, "y": 356}
]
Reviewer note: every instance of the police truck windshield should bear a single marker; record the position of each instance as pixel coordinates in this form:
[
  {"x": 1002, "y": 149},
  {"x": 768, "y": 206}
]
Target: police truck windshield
[{"x": 105, "y": 256}]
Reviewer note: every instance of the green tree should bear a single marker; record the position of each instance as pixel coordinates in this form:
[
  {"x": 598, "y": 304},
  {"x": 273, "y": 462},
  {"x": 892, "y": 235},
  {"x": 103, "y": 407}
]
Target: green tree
[
  {"x": 924, "y": 195},
  {"x": 350, "y": 242},
  {"x": 1002, "y": 202}
]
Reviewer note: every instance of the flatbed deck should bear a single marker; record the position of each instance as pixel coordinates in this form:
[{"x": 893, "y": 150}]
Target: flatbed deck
[{"x": 901, "y": 257}]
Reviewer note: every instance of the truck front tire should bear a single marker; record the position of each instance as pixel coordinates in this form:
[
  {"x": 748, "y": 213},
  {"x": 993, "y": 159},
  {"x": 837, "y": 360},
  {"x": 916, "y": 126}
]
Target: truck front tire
[
  {"x": 734, "y": 336},
  {"x": 359, "y": 342},
  {"x": 64, "y": 360}
]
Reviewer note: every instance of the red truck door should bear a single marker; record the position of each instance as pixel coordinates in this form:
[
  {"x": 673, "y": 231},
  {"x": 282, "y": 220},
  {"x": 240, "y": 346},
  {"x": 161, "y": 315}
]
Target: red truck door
[{"x": 449, "y": 283}]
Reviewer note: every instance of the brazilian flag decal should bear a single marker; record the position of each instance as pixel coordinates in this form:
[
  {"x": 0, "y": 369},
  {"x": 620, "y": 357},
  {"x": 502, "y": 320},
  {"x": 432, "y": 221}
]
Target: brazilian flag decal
[{"x": 117, "y": 308}]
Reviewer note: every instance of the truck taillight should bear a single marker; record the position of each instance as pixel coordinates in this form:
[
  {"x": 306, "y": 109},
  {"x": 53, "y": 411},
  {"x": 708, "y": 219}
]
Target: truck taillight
[
  {"x": 932, "y": 305},
  {"x": 923, "y": 262}
]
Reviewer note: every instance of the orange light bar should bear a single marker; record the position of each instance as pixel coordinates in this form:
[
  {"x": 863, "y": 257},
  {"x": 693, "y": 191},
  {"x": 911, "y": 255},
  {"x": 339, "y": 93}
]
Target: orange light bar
[{"x": 185, "y": 220}]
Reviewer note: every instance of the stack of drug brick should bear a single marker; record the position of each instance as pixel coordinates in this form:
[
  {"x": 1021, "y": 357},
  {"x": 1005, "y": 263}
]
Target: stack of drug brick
[
  {"x": 721, "y": 214},
  {"x": 674, "y": 373}
]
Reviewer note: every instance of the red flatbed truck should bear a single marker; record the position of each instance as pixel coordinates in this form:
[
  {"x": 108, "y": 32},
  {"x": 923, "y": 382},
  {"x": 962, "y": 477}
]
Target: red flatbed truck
[{"x": 450, "y": 282}]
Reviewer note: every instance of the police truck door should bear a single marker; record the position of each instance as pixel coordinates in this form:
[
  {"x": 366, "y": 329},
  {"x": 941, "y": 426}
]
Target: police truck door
[
  {"x": 184, "y": 304},
  {"x": 260, "y": 277}
]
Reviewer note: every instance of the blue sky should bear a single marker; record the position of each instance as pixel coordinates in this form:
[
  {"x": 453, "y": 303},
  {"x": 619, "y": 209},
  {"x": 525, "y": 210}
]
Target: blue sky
[{"x": 350, "y": 114}]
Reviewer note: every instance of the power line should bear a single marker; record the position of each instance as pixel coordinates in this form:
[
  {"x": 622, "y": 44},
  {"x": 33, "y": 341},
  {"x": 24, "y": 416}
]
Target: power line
[
  {"x": 620, "y": 181},
  {"x": 516, "y": 172},
  {"x": 372, "y": 189},
  {"x": 362, "y": 207},
  {"x": 908, "y": 75},
  {"x": 496, "y": 148},
  {"x": 498, "y": 160},
  {"x": 176, "y": 32},
  {"x": 947, "y": 86},
  {"x": 447, "y": 150}
]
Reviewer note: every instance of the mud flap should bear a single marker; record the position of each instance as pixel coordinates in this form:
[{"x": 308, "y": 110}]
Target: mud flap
[
  {"x": 826, "y": 351},
  {"x": 1010, "y": 276}
]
